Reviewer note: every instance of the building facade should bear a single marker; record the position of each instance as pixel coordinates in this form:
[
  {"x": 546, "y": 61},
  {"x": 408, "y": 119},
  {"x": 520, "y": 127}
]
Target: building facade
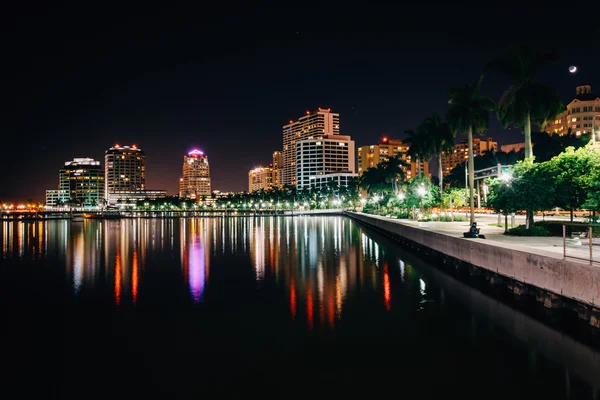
[
  {"x": 320, "y": 122},
  {"x": 81, "y": 183},
  {"x": 324, "y": 158},
  {"x": 370, "y": 156},
  {"x": 460, "y": 152},
  {"x": 125, "y": 171},
  {"x": 262, "y": 178},
  {"x": 581, "y": 113},
  {"x": 195, "y": 180},
  {"x": 277, "y": 166},
  {"x": 516, "y": 147}
]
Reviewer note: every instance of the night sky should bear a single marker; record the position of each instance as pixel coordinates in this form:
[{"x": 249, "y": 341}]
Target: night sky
[{"x": 80, "y": 79}]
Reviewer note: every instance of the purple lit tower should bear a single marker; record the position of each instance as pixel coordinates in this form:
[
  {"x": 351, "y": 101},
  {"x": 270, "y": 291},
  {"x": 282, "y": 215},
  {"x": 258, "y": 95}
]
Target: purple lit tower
[{"x": 195, "y": 180}]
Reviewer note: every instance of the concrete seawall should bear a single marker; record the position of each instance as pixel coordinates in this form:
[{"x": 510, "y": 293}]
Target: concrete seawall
[{"x": 549, "y": 278}]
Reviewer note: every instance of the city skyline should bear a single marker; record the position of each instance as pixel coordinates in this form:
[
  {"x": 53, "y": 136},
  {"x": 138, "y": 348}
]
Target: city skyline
[{"x": 169, "y": 82}]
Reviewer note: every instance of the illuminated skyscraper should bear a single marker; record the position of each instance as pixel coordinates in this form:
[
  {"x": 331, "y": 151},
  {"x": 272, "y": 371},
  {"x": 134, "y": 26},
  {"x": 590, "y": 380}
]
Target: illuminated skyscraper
[
  {"x": 262, "y": 178},
  {"x": 320, "y": 122},
  {"x": 371, "y": 156},
  {"x": 324, "y": 159},
  {"x": 81, "y": 183},
  {"x": 195, "y": 180},
  {"x": 125, "y": 171}
]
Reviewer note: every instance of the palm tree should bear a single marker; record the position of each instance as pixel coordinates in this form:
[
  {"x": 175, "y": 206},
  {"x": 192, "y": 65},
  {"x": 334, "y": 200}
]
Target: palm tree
[
  {"x": 525, "y": 100},
  {"x": 392, "y": 170},
  {"x": 419, "y": 146},
  {"x": 373, "y": 179},
  {"x": 441, "y": 139},
  {"x": 469, "y": 112}
]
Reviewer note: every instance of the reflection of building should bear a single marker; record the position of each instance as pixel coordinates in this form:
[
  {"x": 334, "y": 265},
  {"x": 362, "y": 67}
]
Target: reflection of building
[
  {"x": 460, "y": 152},
  {"x": 320, "y": 122},
  {"x": 81, "y": 182},
  {"x": 516, "y": 147},
  {"x": 579, "y": 114},
  {"x": 371, "y": 156},
  {"x": 262, "y": 178},
  {"x": 324, "y": 158},
  {"x": 195, "y": 180}
]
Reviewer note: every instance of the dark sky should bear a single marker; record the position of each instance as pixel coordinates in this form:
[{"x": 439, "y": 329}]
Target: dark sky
[{"x": 225, "y": 78}]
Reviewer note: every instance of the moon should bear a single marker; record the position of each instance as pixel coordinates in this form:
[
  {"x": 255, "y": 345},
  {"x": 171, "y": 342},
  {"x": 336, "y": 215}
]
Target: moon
[{"x": 572, "y": 69}]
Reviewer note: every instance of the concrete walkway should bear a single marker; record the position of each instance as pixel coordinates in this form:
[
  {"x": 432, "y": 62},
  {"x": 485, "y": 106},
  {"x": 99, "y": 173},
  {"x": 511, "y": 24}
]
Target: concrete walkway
[{"x": 545, "y": 246}]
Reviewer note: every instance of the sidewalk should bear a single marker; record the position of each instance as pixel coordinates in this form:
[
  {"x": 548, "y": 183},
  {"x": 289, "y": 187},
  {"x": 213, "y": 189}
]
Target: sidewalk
[{"x": 545, "y": 246}]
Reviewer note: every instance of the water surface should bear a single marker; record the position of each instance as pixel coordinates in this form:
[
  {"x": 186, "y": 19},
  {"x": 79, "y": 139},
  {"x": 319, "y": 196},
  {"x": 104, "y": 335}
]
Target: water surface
[{"x": 273, "y": 307}]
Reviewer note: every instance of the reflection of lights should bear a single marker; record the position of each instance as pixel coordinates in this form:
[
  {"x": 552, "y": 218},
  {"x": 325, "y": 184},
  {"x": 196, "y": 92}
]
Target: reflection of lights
[
  {"x": 196, "y": 269},
  {"x": 293, "y": 299},
  {"x": 118, "y": 278},
  {"x": 309, "y": 308},
  {"x": 402, "y": 269},
  {"x": 422, "y": 286},
  {"x": 387, "y": 297},
  {"x": 134, "y": 276},
  {"x": 78, "y": 251}
]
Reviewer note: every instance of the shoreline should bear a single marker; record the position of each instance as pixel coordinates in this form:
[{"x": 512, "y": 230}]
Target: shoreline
[{"x": 556, "y": 283}]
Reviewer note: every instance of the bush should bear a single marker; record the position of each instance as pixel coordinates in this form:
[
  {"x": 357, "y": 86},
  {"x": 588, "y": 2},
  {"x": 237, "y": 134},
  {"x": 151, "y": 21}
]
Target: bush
[
  {"x": 533, "y": 231},
  {"x": 555, "y": 227},
  {"x": 447, "y": 218}
]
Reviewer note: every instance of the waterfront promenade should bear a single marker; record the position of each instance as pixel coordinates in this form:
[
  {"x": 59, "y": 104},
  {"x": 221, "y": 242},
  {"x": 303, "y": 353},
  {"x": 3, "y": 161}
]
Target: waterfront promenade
[{"x": 534, "y": 265}]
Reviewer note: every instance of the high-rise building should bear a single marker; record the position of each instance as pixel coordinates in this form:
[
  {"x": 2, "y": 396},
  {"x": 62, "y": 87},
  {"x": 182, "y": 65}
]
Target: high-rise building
[
  {"x": 277, "y": 164},
  {"x": 195, "y": 180},
  {"x": 460, "y": 152},
  {"x": 370, "y": 156},
  {"x": 580, "y": 114},
  {"x": 320, "y": 122},
  {"x": 81, "y": 183},
  {"x": 125, "y": 171},
  {"x": 324, "y": 158},
  {"x": 262, "y": 178}
]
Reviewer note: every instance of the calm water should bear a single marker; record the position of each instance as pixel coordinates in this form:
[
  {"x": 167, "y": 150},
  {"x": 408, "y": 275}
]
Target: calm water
[{"x": 270, "y": 307}]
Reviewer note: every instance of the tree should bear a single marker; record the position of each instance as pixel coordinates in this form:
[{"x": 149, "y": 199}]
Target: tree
[
  {"x": 418, "y": 146},
  {"x": 548, "y": 146},
  {"x": 469, "y": 112},
  {"x": 373, "y": 179},
  {"x": 441, "y": 139},
  {"x": 392, "y": 170},
  {"x": 453, "y": 197},
  {"x": 532, "y": 189},
  {"x": 525, "y": 100},
  {"x": 573, "y": 174}
]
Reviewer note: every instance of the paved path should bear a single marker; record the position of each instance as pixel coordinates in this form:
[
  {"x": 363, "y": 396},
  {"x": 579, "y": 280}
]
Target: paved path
[{"x": 546, "y": 246}]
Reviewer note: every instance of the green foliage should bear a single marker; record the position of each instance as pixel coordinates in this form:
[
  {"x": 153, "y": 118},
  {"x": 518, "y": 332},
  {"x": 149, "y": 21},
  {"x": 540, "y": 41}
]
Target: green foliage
[
  {"x": 447, "y": 218},
  {"x": 572, "y": 173},
  {"x": 456, "y": 177},
  {"x": 458, "y": 197},
  {"x": 501, "y": 197},
  {"x": 533, "y": 231},
  {"x": 592, "y": 201},
  {"x": 468, "y": 109}
]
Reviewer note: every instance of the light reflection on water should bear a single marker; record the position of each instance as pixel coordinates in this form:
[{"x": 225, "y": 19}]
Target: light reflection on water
[{"x": 320, "y": 269}]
